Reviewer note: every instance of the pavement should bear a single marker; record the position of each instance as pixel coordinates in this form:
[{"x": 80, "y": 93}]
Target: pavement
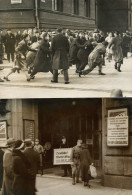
[{"x": 91, "y": 85}]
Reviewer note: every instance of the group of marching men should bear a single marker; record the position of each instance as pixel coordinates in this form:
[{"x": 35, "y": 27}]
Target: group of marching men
[{"x": 58, "y": 50}]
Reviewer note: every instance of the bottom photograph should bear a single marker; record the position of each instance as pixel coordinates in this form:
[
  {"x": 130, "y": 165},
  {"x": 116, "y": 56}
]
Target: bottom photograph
[{"x": 66, "y": 146}]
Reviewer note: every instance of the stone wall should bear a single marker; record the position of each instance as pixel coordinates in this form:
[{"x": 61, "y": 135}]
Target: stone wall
[{"x": 117, "y": 161}]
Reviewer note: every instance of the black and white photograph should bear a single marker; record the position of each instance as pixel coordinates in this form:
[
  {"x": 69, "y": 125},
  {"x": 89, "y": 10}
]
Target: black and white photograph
[{"x": 65, "y": 97}]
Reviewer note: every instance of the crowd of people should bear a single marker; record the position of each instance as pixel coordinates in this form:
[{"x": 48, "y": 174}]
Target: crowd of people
[
  {"x": 35, "y": 50},
  {"x": 21, "y": 160}
]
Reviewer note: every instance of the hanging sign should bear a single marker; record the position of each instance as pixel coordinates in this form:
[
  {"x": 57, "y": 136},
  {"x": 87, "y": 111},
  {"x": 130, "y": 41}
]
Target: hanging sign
[
  {"x": 16, "y": 1},
  {"x": 62, "y": 156},
  {"x": 3, "y": 133},
  {"x": 117, "y": 128}
]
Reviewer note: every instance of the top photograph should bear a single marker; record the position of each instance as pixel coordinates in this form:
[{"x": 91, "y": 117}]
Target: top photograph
[{"x": 65, "y": 48}]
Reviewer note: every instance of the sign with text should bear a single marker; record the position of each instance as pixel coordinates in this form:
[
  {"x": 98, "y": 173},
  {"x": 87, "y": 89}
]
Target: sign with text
[
  {"x": 117, "y": 112},
  {"x": 117, "y": 131},
  {"x": 62, "y": 156},
  {"x": 29, "y": 129},
  {"x": 3, "y": 133},
  {"x": 16, "y": 1}
]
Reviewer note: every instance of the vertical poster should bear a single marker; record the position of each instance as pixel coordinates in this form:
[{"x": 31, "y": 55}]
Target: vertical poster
[
  {"x": 117, "y": 128},
  {"x": 3, "y": 133},
  {"x": 29, "y": 129}
]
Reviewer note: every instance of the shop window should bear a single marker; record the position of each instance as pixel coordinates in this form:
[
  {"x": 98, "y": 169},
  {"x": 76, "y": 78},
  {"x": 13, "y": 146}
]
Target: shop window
[
  {"x": 87, "y": 8},
  {"x": 76, "y": 7},
  {"x": 57, "y": 5}
]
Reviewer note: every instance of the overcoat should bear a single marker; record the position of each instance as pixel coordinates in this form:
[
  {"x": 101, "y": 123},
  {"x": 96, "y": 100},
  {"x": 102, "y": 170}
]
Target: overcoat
[
  {"x": 9, "y": 43},
  {"x": 60, "y": 50},
  {"x": 22, "y": 175},
  {"x": 85, "y": 160},
  {"x": 42, "y": 61},
  {"x": 117, "y": 50},
  {"x": 95, "y": 57},
  {"x": 1, "y": 167}
]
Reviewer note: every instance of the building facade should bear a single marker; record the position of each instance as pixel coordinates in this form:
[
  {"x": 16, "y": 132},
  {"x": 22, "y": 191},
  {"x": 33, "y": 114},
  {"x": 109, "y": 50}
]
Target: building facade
[{"x": 73, "y": 14}]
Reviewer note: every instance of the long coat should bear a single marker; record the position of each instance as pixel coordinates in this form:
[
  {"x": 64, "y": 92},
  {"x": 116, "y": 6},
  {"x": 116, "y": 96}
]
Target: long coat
[
  {"x": 42, "y": 61},
  {"x": 22, "y": 176},
  {"x": 10, "y": 43},
  {"x": 85, "y": 159},
  {"x": 1, "y": 167},
  {"x": 33, "y": 158},
  {"x": 95, "y": 57},
  {"x": 8, "y": 173},
  {"x": 60, "y": 50},
  {"x": 117, "y": 50}
]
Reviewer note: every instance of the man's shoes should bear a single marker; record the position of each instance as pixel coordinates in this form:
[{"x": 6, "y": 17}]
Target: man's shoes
[
  {"x": 119, "y": 70},
  {"x": 32, "y": 77},
  {"x": 80, "y": 73},
  {"x": 1, "y": 80},
  {"x": 52, "y": 81},
  {"x": 6, "y": 78},
  {"x": 101, "y": 73},
  {"x": 67, "y": 82},
  {"x": 28, "y": 79}
]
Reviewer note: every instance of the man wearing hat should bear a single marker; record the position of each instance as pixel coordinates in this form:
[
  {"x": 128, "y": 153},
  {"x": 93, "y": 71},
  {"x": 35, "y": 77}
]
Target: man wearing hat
[
  {"x": 33, "y": 158},
  {"x": 10, "y": 45},
  {"x": 7, "y": 166},
  {"x": 60, "y": 50}
]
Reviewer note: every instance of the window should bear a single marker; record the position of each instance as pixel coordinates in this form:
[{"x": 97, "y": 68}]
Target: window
[
  {"x": 87, "y": 8},
  {"x": 76, "y": 7},
  {"x": 57, "y": 5}
]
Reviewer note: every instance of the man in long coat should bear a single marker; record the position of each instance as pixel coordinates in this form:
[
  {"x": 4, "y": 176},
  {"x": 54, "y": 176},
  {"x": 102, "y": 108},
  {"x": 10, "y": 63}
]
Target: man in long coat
[
  {"x": 60, "y": 50},
  {"x": 34, "y": 160}
]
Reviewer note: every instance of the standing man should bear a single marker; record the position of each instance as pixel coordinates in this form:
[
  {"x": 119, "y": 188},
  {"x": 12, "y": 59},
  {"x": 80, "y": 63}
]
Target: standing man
[
  {"x": 60, "y": 50},
  {"x": 75, "y": 158},
  {"x": 10, "y": 45},
  {"x": 33, "y": 158},
  {"x": 1, "y": 167}
]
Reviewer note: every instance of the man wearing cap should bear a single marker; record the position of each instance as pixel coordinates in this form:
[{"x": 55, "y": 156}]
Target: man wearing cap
[
  {"x": 7, "y": 166},
  {"x": 60, "y": 50},
  {"x": 75, "y": 159},
  {"x": 10, "y": 45},
  {"x": 33, "y": 158}
]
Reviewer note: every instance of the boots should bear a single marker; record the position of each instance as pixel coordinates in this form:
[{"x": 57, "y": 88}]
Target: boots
[
  {"x": 73, "y": 179},
  {"x": 119, "y": 66},
  {"x": 101, "y": 73}
]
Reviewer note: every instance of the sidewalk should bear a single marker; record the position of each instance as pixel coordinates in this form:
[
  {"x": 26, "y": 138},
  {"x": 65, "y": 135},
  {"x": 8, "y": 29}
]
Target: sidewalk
[{"x": 92, "y": 85}]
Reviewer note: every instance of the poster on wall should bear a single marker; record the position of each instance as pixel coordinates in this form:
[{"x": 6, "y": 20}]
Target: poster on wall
[
  {"x": 62, "y": 156},
  {"x": 3, "y": 133},
  {"x": 16, "y": 1},
  {"x": 29, "y": 129},
  {"x": 117, "y": 128}
]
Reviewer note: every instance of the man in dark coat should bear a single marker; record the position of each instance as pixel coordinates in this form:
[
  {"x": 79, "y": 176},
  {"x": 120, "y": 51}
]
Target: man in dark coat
[
  {"x": 1, "y": 167},
  {"x": 60, "y": 50},
  {"x": 10, "y": 45},
  {"x": 7, "y": 166},
  {"x": 33, "y": 158}
]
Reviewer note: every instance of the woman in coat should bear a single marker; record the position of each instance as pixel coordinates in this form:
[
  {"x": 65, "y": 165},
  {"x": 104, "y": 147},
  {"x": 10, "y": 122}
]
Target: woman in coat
[
  {"x": 117, "y": 50},
  {"x": 22, "y": 174},
  {"x": 85, "y": 160},
  {"x": 43, "y": 60}
]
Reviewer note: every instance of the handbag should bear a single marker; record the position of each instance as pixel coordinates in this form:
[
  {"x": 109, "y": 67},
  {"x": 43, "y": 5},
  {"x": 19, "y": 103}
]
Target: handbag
[{"x": 93, "y": 171}]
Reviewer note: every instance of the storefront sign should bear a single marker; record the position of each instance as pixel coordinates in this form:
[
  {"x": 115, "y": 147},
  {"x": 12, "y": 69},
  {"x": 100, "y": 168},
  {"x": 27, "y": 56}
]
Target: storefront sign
[
  {"x": 16, "y": 1},
  {"x": 3, "y": 133},
  {"x": 62, "y": 156},
  {"x": 117, "y": 131}
]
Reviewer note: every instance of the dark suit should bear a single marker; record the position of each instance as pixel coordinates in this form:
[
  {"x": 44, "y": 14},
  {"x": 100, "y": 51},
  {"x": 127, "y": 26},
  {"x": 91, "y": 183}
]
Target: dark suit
[
  {"x": 10, "y": 46},
  {"x": 34, "y": 160},
  {"x": 60, "y": 50}
]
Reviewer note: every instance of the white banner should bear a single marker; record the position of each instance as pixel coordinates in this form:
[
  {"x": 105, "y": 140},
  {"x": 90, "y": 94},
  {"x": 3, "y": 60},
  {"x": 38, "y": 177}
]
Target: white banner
[
  {"x": 16, "y": 1},
  {"x": 62, "y": 156},
  {"x": 3, "y": 133},
  {"x": 117, "y": 131}
]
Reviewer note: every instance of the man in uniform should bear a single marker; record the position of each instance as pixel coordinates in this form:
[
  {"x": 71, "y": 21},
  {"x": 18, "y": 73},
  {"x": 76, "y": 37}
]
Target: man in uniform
[{"x": 75, "y": 158}]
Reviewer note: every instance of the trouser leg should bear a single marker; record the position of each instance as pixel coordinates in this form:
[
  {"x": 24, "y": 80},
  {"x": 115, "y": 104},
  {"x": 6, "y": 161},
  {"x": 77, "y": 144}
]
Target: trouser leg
[
  {"x": 115, "y": 65},
  {"x": 55, "y": 75},
  {"x": 12, "y": 56},
  {"x": 66, "y": 77},
  {"x": 119, "y": 67},
  {"x": 8, "y": 57}
]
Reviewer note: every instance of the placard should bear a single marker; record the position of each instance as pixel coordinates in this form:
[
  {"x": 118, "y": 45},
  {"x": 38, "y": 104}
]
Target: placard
[
  {"x": 117, "y": 131},
  {"x": 3, "y": 133},
  {"x": 117, "y": 112},
  {"x": 62, "y": 156},
  {"x": 29, "y": 129},
  {"x": 16, "y": 1}
]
